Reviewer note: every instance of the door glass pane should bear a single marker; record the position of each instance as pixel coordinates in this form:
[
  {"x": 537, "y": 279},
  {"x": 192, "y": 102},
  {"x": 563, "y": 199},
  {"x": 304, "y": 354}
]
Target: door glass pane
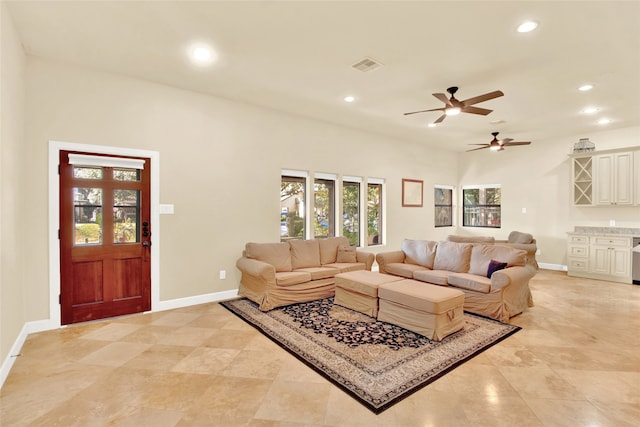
[
  {"x": 87, "y": 172},
  {"x": 126, "y": 216},
  {"x": 87, "y": 216},
  {"x": 126, "y": 174}
]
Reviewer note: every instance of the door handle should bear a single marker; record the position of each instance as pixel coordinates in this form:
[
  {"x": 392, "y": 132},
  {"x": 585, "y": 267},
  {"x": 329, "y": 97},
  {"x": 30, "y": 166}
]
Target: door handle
[{"x": 146, "y": 243}]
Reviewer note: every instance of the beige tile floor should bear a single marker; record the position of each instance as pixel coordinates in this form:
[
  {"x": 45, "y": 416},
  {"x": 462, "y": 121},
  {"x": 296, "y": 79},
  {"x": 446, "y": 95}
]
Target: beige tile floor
[{"x": 575, "y": 363}]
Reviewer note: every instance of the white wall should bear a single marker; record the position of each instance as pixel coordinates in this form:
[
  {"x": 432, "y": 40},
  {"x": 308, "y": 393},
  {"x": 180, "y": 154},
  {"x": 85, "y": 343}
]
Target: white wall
[
  {"x": 12, "y": 171},
  {"x": 538, "y": 178},
  {"x": 220, "y": 167}
]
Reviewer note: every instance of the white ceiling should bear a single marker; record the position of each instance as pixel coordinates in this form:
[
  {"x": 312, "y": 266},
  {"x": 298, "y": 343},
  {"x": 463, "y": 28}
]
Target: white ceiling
[{"x": 297, "y": 57}]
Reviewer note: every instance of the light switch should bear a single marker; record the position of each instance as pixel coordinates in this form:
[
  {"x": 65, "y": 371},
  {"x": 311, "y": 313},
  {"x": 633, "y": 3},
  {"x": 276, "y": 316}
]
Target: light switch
[{"x": 166, "y": 209}]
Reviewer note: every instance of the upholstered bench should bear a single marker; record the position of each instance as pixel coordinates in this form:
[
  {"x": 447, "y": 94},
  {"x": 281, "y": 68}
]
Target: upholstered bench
[
  {"x": 430, "y": 310},
  {"x": 358, "y": 290}
]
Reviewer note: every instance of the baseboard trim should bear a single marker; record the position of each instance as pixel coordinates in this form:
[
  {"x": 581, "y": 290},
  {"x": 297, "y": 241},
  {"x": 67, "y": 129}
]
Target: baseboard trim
[
  {"x": 557, "y": 267},
  {"x": 47, "y": 325},
  {"x": 195, "y": 300}
]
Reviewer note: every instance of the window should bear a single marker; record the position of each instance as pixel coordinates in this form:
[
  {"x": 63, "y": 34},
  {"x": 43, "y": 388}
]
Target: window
[
  {"x": 292, "y": 209},
  {"x": 481, "y": 206},
  {"x": 443, "y": 206},
  {"x": 374, "y": 212},
  {"x": 324, "y": 206},
  {"x": 351, "y": 210}
]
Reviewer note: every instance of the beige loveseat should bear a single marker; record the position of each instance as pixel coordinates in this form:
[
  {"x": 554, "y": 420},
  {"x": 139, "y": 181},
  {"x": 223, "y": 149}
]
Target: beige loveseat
[
  {"x": 516, "y": 239},
  {"x": 277, "y": 274},
  {"x": 465, "y": 266}
]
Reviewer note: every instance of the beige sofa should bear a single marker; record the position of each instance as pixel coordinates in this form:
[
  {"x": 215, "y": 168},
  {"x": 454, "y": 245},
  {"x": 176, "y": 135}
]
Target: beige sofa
[
  {"x": 516, "y": 239},
  {"x": 277, "y": 274},
  {"x": 465, "y": 266}
]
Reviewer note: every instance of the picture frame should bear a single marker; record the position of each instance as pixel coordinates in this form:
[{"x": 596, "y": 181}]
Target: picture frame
[{"x": 412, "y": 193}]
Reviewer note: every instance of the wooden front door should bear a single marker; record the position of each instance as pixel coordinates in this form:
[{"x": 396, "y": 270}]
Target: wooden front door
[{"x": 105, "y": 236}]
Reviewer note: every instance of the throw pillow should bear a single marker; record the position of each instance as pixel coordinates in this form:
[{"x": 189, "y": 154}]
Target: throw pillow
[
  {"x": 347, "y": 254},
  {"x": 495, "y": 266}
]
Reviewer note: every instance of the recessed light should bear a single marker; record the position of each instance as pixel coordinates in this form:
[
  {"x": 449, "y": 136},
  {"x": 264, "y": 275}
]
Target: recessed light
[
  {"x": 202, "y": 55},
  {"x": 604, "y": 121},
  {"x": 590, "y": 110},
  {"x": 349, "y": 98},
  {"x": 585, "y": 87},
  {"x": 527, "y": 26}
]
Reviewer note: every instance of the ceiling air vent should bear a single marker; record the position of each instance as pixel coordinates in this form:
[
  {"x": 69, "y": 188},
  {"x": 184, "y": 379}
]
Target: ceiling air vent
[{"x": 367, "y": 64}]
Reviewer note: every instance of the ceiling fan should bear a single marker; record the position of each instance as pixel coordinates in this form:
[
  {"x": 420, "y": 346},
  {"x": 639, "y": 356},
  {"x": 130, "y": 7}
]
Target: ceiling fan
[
  {"x": 454, "y": 106},
  {"x": 499, "y": 144}
]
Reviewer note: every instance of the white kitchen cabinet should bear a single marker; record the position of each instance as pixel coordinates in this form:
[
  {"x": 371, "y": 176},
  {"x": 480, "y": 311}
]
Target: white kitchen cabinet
[
  {"x": 614, "y": 175},
  {"x": 599, "y": 257}
]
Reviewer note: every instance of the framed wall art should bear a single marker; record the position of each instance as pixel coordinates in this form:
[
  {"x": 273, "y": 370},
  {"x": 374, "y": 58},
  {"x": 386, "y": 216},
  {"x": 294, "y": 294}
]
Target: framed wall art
[{"x": 411, "y": 193}]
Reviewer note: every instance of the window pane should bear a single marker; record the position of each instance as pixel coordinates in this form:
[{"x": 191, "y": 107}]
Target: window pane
[
  {"x": 482, "y": 207},
  {"x": 351, "y": 212},
  {"x": 292, "y": 198},
  {"x": 87, "y": 173},
  {"x": 126, "y": 216},
  {"x": 126, "y": 174},
  {"x": 87, "y": 216},
  {"x": 443, "y": 207},
  {"x": 323, "y": 208},
  {"x": 374, "y": 218}
]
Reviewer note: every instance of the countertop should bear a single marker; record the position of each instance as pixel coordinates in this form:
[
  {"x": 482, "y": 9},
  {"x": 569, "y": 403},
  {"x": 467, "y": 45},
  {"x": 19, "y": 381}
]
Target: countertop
[{"x": 607, "y": 231}]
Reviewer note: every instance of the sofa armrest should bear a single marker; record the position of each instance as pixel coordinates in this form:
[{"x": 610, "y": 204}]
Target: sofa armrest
[
  {"x": 384, "y": 258},
  {"x": 365, "y": 257},
  {"x": 256, "y": 268},
  {"x": 511, "y": 275}
]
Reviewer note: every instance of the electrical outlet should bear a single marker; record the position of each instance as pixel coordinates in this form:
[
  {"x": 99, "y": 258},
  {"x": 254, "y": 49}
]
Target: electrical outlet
[{"x": 223, "y": 274}]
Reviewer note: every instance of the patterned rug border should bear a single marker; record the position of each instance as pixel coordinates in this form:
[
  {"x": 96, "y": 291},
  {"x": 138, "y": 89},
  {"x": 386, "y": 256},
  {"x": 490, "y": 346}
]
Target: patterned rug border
[{"x": 376, "y": 409}]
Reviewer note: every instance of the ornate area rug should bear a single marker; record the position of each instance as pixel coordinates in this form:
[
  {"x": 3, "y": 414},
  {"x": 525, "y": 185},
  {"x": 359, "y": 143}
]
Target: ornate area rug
[{"x": 375, "y": 362}]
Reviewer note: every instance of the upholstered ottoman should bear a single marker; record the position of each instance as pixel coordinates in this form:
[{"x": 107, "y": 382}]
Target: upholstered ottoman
[
  {"x": 358, "y": 290},
  {"x": 430, "y": 310}
]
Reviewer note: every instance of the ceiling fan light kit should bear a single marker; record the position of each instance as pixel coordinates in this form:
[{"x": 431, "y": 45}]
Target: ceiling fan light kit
[{"x": 499, "y": 144}]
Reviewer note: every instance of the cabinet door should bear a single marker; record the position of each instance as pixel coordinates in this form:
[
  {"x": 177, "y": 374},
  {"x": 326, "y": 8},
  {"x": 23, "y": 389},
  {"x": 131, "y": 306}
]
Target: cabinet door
[
  {"x": 614, "y": 179},
  {"x": 599, "y": 260},
  {"x": 623, "y": 179},
  {"x": 620, "y": 265},
  {"x": 604, "y": 182},
  {"x": 636, "y": 177}
]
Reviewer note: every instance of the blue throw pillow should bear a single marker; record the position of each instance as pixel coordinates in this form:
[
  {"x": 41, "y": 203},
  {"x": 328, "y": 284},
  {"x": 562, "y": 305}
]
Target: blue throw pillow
[{"x": 495, "y": 266}]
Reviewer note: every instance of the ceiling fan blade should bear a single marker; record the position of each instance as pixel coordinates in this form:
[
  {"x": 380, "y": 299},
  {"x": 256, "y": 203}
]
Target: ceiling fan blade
[
  {"x": 442, "y": 97},
  {"x": 476, "y": 110},
  {"x": 474, "y": 149},
  {"x": 509, "y": 144},
  {"x": 440, "y": 119},
  {"x": 482, "y": 98},
  {"x": 424, "y": 111}
]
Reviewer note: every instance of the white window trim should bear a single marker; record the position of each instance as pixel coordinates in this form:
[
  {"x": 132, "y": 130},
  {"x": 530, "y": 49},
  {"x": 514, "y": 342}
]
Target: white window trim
[{"x": 473, "y": 187}]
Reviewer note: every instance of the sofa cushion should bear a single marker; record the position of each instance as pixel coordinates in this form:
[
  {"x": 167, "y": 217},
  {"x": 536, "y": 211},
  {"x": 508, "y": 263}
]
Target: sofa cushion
[
  {"x": 471, "y": 282},
  {"x": 419, "y": 252},
  {"x": 304, "y": 253},
  {"x": 519, "y": 237},
  {"x": 470, "y": 239},
  {"x": 276, "y": 254},
  {"x": 435, "y": 277},
  {"x": 481, "y": 256},
  {"x": 452, "y": 256},
  {"x": 344, "y": 267},
  {"x": 495, "y": 266},
  {"x": 329, "y": 248},
  {"x": 347, "y": 254},
  {"x": 421, "y": 296},
  {"x": 403, "y": 269},
  {"x": 319, "y": 272},
  {"x": 289, "y": 278}
]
